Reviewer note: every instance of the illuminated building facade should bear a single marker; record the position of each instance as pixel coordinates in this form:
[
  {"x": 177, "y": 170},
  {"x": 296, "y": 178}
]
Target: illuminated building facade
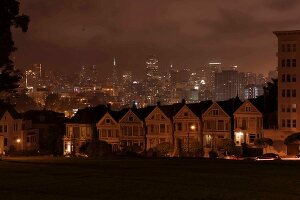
[{"x": 288, "y": 86}]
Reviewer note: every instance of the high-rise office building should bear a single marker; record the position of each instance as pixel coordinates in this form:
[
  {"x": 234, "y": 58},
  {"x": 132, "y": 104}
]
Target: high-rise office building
[
  {"x": 288, "y": 86},
  {"x": 226, "y": 84},
  {"x": 88, "y": 76},
  {"x": 152, "y": 67},
  {"x": 211, "y": 70}
]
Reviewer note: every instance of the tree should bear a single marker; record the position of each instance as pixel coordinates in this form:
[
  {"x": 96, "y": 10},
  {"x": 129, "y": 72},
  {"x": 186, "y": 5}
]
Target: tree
[
  {"x": 263, "y": 142},
  {"x": 292, "y": 139},
  {"x": 9, "y": 17}
]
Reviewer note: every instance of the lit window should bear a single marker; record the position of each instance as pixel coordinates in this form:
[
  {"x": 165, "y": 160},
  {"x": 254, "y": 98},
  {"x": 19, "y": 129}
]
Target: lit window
[
  {"x": 294, "y": 107},
  {"x": 252, "y": 138}
]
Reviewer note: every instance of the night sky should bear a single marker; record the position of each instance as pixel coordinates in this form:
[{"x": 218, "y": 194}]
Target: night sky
[{"x": 66, "y": 34}]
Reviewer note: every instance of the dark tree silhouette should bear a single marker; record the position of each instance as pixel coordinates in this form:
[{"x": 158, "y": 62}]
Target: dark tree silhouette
[
  {"x": 292, "y": 139},
  {"x": 9, "y": 17}
]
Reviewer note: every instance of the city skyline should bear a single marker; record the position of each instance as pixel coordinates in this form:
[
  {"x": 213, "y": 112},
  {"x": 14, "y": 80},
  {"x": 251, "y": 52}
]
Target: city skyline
[{"x": 67, "y": 35}]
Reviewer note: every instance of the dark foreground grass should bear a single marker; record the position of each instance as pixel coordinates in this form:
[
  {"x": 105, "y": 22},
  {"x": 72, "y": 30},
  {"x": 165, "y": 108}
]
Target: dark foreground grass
[{"x": 128, "y": 178}]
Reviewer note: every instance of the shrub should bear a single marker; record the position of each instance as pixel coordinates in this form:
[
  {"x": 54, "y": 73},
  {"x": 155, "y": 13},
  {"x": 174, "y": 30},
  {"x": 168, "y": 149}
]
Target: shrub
[
  {"x": 133, "y": 150},
  {"x": 164, "y": 148},
  {"x": 96, "y": 148}
]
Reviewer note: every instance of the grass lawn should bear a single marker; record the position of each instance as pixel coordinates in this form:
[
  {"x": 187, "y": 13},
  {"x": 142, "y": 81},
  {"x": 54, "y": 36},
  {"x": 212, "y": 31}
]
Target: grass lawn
[{"x": 129, "y": 178}]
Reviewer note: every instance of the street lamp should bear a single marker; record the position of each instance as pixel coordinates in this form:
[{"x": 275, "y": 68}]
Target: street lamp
[
  {"x": 18, "y": 140},
  {"x": 192, "y": 127}
]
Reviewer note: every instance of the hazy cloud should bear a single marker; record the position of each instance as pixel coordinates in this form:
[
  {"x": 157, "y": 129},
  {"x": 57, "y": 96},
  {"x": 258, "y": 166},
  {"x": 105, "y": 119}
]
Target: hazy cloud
[{"x": 66, "y": 33}]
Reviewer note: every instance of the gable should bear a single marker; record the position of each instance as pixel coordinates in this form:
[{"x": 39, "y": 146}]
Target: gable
[
  {"x": 185, "y": 113},
  {"x": 215, "y": 111},
  {"x": 247, "y": 108},
  {"x": 7, "y": 117},
  {"x": 130, "y": 117},
  {"x": 107, "y": 120},
  {"x": 157, "y": 115}
]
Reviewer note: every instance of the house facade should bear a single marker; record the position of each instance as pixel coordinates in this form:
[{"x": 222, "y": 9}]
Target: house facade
[
  {"x": 132, "y": 130},
  {"x": 159, "y": 127},
  {"x": 186, "y": 129},
  {"x": 16, "y": 134},
  {"x": 248, "y": 124},
  {"x": 108, "y": 128},
  {"x": 216, "y": 126},
  {"x": 76, "y": 135}
]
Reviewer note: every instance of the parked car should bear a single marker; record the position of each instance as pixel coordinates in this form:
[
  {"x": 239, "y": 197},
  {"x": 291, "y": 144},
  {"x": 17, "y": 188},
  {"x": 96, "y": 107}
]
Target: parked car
[
  {"x": 268, "y": 156},
  {"x": 231, "y": 157}
]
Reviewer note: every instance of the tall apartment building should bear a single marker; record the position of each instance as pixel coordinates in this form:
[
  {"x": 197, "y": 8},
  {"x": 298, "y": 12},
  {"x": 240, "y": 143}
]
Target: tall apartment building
[{"x": 288, "y": 85}]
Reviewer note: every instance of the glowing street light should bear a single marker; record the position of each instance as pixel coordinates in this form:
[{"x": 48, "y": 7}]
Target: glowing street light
[
  {"x": 193, "y": 128},
  {"x": 18, "y": 140}
]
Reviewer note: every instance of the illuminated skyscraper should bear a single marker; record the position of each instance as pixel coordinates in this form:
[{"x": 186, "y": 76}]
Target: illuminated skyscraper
[
  {"x": 115, "y": 78},
  {"x": 152, "y": 68}
]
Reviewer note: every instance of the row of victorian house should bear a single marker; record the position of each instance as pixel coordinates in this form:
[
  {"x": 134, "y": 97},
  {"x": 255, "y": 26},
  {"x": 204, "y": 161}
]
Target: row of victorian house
[{"x": 180, "y": 124}]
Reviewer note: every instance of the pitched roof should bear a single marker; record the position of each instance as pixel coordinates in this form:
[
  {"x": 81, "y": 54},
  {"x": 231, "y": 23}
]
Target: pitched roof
[
  {"x": 258, "y": 103},
  {"x": 117, "y": 115},
  {"x": 230, "y": 105},
  {"x": 142, "y": 113},
  {"x": 10, "y": 108},
  {"x": 44, "y": 116},
  {"x": 171, "y": 110},
  {"x": 90, "y": 115},
  {"x": 199, "y": 108}
]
